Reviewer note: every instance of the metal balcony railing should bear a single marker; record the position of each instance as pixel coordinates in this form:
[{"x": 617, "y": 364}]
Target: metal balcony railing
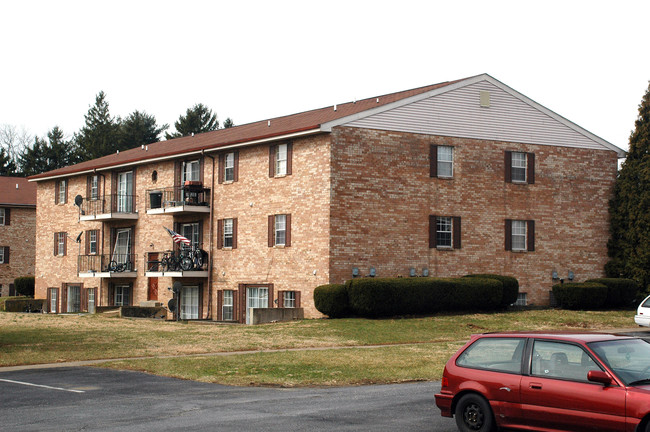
[
  {"x": 115, "y": 263},
  {"x": 193, "y": 195},
  {"x": 112, "y": 203},
  {"x": 178, "y": 260}
]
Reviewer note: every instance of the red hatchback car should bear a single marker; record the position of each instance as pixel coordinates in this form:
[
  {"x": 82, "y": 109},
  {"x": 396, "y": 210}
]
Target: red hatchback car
[{"x": 549, "y": 382}]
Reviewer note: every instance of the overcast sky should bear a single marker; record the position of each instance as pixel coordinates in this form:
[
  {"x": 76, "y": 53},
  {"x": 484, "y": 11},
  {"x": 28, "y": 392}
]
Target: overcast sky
[{"x": 586, "y": 60}]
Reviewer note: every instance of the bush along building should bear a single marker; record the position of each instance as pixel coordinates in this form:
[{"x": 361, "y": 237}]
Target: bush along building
[
  {"x": 460, "y": 177},
  {"x": 17, "y": 231}
]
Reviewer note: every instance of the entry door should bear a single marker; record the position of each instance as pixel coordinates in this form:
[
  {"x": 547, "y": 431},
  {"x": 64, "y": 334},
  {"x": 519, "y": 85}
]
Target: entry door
[
  {"x": 190, "y": 302},
  {"x": 125, "y": 192},
  {"x": 54, "y": 300},
  {"x": 256, "y": 297},
  {"x": 74, "y": 298},
  {"x": 91, "y": 300},
  {"x": 122, "y": 249}
]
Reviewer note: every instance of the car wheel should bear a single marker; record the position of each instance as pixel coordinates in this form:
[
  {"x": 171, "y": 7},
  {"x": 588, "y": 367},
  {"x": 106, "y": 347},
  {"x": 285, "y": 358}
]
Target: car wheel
[{"x": 473, "y": 414}]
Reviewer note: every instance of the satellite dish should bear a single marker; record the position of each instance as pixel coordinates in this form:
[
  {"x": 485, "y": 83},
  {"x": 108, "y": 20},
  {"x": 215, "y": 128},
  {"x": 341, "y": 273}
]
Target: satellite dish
[
  {"x": 177, "y": 287},
  {"x": 78, "y": 240},
  {"x": 171, "y": 305},
  {"x": 78, "y": 200}
]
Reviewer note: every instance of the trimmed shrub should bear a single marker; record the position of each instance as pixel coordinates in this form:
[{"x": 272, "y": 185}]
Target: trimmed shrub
[
  {"x": 25, "y": 285},
  {"x": 143, "y": 312},
  {"x": 332, "y": 300},
  {"x": 510, "y": 287},
  {"x": 24, "y": 305},
  {"x": 584, "y": 296},
  {"x": 620, "y": 292},
  {"x": 477, "y": 294}
]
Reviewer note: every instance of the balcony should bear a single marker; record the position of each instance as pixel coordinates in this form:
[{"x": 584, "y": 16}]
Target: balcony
[
  {"x": 107, "y": 266},
  {"x": 190, "y": 198},
  {"x": 171, "y": 264},
  {"x": 109, "y": 207}
]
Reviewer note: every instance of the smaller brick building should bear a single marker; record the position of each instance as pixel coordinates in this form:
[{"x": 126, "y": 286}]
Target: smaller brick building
[{"x": 17, "y": 231}]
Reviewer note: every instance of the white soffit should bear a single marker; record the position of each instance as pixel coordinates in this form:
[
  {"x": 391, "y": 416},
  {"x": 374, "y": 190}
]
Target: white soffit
[{"x": 455, "y": 110}]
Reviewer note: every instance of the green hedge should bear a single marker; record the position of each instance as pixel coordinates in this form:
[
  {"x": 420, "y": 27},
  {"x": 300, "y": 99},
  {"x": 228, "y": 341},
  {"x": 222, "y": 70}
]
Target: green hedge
[
  {"x": 620, "y": 292},
  {"x": 381, "y": 297},
  {"x": 584, "y": 296},
  {"x": 510, "y": 287},
  {"x": 25, "y": 285},
  {"x": 332, "y": 300},
  {"x": 143, "y": 312},
  {"x": 22, "y": 304}
]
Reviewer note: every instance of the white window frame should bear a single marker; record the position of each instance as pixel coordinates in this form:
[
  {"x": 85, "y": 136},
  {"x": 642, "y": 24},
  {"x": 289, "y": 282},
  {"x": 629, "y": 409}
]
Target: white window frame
[
  {"x": 228, "y": 233},
  {"x": 227, "y": 309},
  {"x": 519, "y": 164},
  {"x": 522, "y": 299},
  {"x": 444, "y": 227},
  {"x": 2, "y": 216},
  {"x": 122, "y": 247},
  {"x": 445, "y": 161},
  {"x": 191, "y": 231},
  {"x": 229, "y": 167},
  {"x": 281, "y": 160},
  {"x": 125, "y": 192},
  {"x": 94, "y": 188},
  {"x": 519, "y": 233},
  {"x": 54, "y": 301},
  {"x": 289, "y": 299},
  {"x": 74, "y": 298},
  {"x": 2, "y": 256},
  {"x": 122, "y": 295},
  {"x": 190, "y": 302},
  {"x": 63, "y": 185},
  {"x": 191, "y": 171},
  {"x": 280, "y": 230},
  {"x": 61, "y": 244},
  {"x": 92, "y": 242}
]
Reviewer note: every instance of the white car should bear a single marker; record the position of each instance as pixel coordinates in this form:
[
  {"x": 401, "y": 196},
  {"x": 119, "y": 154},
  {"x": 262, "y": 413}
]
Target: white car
[{"x": 642, "y": 316}]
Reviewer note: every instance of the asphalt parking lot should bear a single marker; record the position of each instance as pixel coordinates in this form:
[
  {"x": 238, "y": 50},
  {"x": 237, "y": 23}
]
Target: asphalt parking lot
[{"x": 97, "y": 399}]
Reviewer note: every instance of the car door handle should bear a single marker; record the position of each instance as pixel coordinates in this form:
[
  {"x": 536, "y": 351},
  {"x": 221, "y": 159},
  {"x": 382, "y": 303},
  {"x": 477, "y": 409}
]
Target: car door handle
[{"x": 535, "y": 386}]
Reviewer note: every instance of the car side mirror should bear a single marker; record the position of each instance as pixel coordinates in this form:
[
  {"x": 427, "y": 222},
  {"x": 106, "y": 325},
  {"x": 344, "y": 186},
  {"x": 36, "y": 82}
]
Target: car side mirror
[{"x": 599, "y": 377}]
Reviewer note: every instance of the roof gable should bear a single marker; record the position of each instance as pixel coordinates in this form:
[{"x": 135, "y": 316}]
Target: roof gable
[{"x": 17, "y": 191}]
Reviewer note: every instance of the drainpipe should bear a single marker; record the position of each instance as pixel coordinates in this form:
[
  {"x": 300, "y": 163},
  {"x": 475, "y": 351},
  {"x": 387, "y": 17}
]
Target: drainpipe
[{"x": 211, "y": 256}]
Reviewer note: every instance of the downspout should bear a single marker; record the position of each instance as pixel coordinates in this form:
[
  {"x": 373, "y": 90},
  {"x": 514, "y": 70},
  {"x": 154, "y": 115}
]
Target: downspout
[{"x": 211, "y": 257}]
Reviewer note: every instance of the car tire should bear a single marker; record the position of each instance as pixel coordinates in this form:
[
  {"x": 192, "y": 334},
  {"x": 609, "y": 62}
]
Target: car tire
[{"x": 473, "y": 414}]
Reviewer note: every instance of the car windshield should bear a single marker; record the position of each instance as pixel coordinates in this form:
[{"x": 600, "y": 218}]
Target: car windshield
[{"x": 627, "y": 358}]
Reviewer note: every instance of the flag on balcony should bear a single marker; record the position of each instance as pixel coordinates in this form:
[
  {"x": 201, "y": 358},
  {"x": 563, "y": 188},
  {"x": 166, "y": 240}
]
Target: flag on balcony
[{"x": 178, "y": 238}]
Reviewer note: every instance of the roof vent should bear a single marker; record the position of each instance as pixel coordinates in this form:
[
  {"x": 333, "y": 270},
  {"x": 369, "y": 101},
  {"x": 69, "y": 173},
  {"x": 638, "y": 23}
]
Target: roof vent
[
  {"x": 142, "y": 147},
  {"x": 16, "y": 185},
  {"x": 192, "y": 133},
  {"x": 334, "y": 107},
  {"x": 146, "y": 148},
  {"x": 269, "y": 123},
  {"x": 118, "y": 152},
  {"x": 377, "y": 100},
  {"x": 485, "y": 99}
]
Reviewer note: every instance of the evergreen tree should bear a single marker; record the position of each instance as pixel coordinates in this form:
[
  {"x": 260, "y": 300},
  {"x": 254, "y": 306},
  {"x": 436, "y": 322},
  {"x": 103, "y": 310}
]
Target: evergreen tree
[
  {"x": 34, "y": 160},
  {"x": 101, "y": 134},
  {"x": 228, "y": 123},
  {"x": 140, "y": 128},
  {"x": 47, "y": 155},
  {"x": 7, "y": 165},
  {"x": 629, "y": 246},
  {"x": 197, "y": 119}
]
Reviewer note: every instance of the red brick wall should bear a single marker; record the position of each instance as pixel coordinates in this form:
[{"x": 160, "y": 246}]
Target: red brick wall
[
  {"x": 19, "y": 236},
  {"x": 383, "y": 195}
]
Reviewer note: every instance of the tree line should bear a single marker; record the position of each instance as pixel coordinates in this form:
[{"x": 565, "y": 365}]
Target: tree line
[{"x": 101, "y": 135}]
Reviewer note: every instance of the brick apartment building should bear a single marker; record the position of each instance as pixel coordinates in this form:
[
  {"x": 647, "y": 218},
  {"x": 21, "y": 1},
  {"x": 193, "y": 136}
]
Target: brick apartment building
[
  {"x": 17, "y": 231},
  {"x": 461, "y": 177}
]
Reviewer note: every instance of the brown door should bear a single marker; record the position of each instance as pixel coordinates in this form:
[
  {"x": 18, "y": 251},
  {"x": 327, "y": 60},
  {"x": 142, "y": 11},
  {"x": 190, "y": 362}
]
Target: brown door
[{"x": 153, "y": 289}]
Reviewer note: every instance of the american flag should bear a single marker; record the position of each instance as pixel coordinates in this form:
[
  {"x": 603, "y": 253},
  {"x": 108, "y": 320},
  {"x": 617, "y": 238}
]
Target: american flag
[{"x": 178, "y": 238}]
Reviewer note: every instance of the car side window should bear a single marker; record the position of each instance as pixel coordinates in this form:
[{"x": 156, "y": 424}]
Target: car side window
[
  {"x": 498, "y": 354},
  {"x": 561, "y": 360}
]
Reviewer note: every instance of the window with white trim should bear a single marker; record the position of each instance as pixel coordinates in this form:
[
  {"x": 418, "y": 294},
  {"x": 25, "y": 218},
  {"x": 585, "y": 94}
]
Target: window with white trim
[
  {"x": 289, "y": 299},
  {"x": 191, "y": 231},
  {"x": 122, "y": 295},
  {"x": 94, "y": 187},
  {"x": 445, "y": 161},
  {"x": 227, "y": 233},
  {"x": 2, "y": 254},
  {"x": 228, "y": 303},
  {"x": 519, "y": 235},
  {"x": 2, "y": 216},
  {"x": 281, "y": 160},
  {"x": 444, "y": 231},
  {"x": 92, "y": 242},
  {"x": 229, "y": 167},
  {"x": 191, "y": 171},
  {"x": 63, "y": 185},
  {"x": 61, "y": 243},
  {"x": 280, "y": 230},
  {"x": 518, "y": 168}
]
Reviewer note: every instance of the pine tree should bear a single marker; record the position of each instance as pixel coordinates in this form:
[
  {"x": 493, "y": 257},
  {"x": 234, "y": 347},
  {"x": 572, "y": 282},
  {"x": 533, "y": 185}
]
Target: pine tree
[
  {"x": 228, "y": 123},
  {"x": 7, "y": 165},
  {"x": 629, "y": 246},
  {"x": 140, "y": 128},
  {"x": 34, "y": 159},
  {"x": 101, "y": 134},
  {"x": 48, "y": 155},
  {"x": 197, "y": 119}
]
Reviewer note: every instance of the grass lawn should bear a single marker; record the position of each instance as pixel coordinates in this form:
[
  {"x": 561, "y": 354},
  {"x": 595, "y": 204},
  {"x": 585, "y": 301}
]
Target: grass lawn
[{"x": 414, "y": 349}]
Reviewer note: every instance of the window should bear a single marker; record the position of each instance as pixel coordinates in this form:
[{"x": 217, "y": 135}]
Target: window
[
  {"x": 93, "y": 187},
  {"x": 125, "y": 196},
  {"x": 74, "y": 299},
  {"x": 445, "y": 161},
  {"x": 61, "y": 192},
  {"x": 498, "y": 354},
  {"x": 229, "y": 167},
  {"x": 227, "y": 233},
  {"x": 190, "y": 302},
  {"x": 561, "y": 360},
  {"x": 92, "y": 242},
  {"x": 122, "y": 247},
  {"x": 228, "y": 302},
  {"x": 280, "y": 230},
  {"x": 3, "y": 218},
  {"x": 519, "y": 167},
  {"x": 522, "y": 299},
  {"x": 60, "y": 243},
  {"x": 53, "y": 300},
  {"x": 444, "y": 232},
  {"x": 4, "y": 254},
  {"x": 289, "y": 299},
  {"x": 520, "y": 235},
  {"x": 280, "y": 157},
  {"x": 192, "y": 232},
  {"x": 191, "y": 171},
  {"x": 122, "y": 295}
]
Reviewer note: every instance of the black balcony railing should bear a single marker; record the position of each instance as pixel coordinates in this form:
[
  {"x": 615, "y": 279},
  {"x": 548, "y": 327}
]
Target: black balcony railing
[
  {"x": 115, "y": 263},
  {"x": 178, "y": 260},
  {"x": 163, "y": 198},
  {"x": 112, "y": 203}
]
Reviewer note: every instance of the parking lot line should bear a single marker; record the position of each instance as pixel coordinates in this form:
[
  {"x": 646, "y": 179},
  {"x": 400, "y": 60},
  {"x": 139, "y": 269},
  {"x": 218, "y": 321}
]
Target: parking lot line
[{"x": 43, "y": 386}]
